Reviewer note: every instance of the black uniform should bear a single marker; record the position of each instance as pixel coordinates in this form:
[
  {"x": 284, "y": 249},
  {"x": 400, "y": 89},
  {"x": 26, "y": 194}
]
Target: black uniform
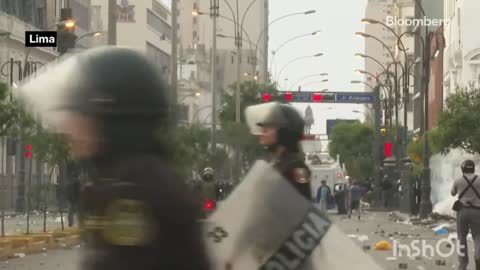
[
  {"x": 135, "y": 212},
  {"x": 293, "y": 168},
  {"x": 141, "y": 190},
  {"x": 291, "y": 163}
]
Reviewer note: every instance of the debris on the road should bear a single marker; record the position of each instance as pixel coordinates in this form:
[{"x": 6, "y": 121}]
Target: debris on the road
[
  {"x": 436, "y": 216},
  {"x": 352, "y": 236},
  {"x": 394, "y": 216},
  {"x": 440, "y": 262},
  {"x": 391, "y": 258},
  {"x": 421, "y": 267},
  {"x": 19, "y": 255},
  {"x": 441, "y": 231},
  {"x": 366, "y": 247},
  {"x": 363, "y": 238},
  {"x": 402, "y": 265},
  {"x": 383, "y": 245}
]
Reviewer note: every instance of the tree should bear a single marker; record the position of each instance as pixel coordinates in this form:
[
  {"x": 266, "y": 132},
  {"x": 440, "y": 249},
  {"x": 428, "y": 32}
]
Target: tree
[
  {"x": 189, "y": 147},
  {"x": 51, "y": 149},
  {"x": 237, "y": 135},
  {"x": 353, "y": 143},
  {"x": 458, "y": 126}
]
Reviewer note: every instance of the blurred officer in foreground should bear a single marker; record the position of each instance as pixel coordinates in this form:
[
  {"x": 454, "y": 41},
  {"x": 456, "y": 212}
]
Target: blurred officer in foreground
[
  {"x": 280, "y": 128},
  {"x": 136, "y": 213}
]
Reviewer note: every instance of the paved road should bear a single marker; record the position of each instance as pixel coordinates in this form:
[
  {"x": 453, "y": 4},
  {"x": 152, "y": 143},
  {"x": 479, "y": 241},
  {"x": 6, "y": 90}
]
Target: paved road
[
  {"x": 51, "y": 260},
  {"x": 370, "y": 225}
]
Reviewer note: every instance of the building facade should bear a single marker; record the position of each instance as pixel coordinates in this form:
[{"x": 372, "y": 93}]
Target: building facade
[
  {"x": 377, "y": 10},
  {"x": 462, "y": 54},
  {"x": 143, "y": 25},
  {"x": 198, "y": 29},
  {"x": 435, "y": 97}
]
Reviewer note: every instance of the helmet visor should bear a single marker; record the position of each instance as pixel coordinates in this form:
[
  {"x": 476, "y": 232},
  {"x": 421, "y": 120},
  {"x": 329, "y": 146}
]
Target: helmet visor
[{"x": 267, "y": 114}]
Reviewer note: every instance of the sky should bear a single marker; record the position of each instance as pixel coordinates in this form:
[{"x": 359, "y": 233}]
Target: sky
[{"x": 338, "y": 20}]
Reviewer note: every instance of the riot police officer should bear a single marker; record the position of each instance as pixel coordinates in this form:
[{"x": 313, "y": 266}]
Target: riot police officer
[
  {"x": 136, "y": 213},
  {"x": 280, "y": 128}
]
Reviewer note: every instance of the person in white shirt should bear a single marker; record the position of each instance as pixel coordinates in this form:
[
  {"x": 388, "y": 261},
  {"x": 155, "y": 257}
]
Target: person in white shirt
[{"x": 468, "y": 212}]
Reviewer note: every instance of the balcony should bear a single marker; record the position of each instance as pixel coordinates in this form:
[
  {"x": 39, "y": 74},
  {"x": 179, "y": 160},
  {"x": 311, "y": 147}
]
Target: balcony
[{"x": 17, "y": 28}]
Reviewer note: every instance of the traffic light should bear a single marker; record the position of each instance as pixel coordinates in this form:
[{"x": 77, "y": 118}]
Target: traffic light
[
  {"x": 266, "y": 97},
  {"x": 309, "y": 137},
  {"x": 387, "y": 149},
  {"x": 66, "y": 31},
  {"x": 383, "y": 131},
  {"x": 209, "y": 205},
  {"x": 288, "y": 97},
  {"x": 28, "y": 151}
]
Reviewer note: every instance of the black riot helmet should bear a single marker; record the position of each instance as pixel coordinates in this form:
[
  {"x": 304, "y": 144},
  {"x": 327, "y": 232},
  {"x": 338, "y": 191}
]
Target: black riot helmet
[
  {"x": 285, "y": 118},
  {"x": 468, "y": 166},
  {"x": 118, "y": 88}
]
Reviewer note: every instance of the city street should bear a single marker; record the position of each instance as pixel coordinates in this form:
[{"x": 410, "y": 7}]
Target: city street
[
  {"x": 375, "y": 224},
  {"x": 371, "y": 225}
]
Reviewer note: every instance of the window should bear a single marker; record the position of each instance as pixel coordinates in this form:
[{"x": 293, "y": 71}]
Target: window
[
  {"x": 194, "y": 34},
  {"x": 158, "y": 57},
  {"x": 233, "y": 59},
  {"x": 217, "y": 59},
  {"x": 195, "y": 6},
  {"x": 195, "y": 20},
  {"x": 81, "y": 13},
  {"x": 158, "y": 24},
  {"x": 97, "y": 23},
  {"x": 183, "y": 112},
  {"x": 159, "y": 10},
  {"x": 40, "y": 18}
]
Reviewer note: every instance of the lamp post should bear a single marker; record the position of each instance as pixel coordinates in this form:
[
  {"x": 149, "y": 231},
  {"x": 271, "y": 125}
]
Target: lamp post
[
  {"x": 274, "y": 52},
  {"x": 265, "y": 30},
  {"x": 397, "y": 96},
  {"x": 294, "y": 60},
  {"x": 376, "y": 139},
  {"x": 196, "y": 94},
  {"x": 309, "y": 76},
  {"x": 94, "y": 34},
  {"x": 425, "y": 202}
]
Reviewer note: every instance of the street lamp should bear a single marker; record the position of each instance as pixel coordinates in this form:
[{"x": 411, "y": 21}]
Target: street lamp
[
  {"x": 362, "y": 82},
  {"x": 274, "y": 52},
  {"x": 94, "y": 34},
  {"x": 309, "y": 76},
  {"x": 67, "y": 24},
  {"x": 294, "y": 60},
  {"x": 265, "y": 30},
  {"x": 196, "y": 94}
]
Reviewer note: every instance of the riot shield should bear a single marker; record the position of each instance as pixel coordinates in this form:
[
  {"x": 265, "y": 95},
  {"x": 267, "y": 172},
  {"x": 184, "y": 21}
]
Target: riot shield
[{"x": 266, "y": 224}]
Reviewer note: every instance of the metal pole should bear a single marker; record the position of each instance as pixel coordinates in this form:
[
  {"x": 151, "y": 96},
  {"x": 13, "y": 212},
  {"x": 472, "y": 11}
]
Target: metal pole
[
  {"x": 214, "y": 13},
  {"x": 265, "y": 77},
  {"x": 376, "y": 143},
  {"x": 426, "y": 203},
  {"x": 406, "y": 95},
  {"x": 112, "y": 22},
  {"x": 397, "y": 139},
  {"x": 238, "y": 39},
  {"x": 174, "y": 60}
]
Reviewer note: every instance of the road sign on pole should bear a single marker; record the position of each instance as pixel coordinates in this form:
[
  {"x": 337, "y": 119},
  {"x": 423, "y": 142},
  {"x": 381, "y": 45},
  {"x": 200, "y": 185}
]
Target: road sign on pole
[
  {"x": 354, "y": 97},
  {"x": 320, "y": 97}
]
